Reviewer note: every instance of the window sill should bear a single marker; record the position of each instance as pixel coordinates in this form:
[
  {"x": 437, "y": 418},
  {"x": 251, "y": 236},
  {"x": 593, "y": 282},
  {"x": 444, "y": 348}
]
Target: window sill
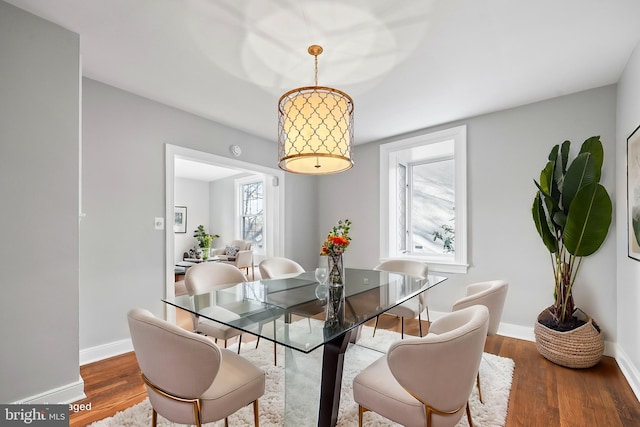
[
  {"x": 439, "y": 267},
  {"x": 448, "y": 268}
]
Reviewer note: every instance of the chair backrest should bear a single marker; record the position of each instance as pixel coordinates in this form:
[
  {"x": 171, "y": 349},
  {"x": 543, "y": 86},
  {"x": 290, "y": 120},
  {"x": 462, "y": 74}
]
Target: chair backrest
[
  {"x": 406, "y": 266},
  {"x": 491, "y": 294},
  {"x": 440, "y": 369},
  {"x": 173, "y": 359},
  {"x": 243, "y": 245},
  {"x": 244, "y": 259},
  {"x": 274, "y": 267},
  {"x": 207, "y": 276}
]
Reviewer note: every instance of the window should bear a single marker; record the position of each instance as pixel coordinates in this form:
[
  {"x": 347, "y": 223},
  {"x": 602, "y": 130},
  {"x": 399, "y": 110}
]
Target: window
[
  {"x": 251, "y": 212},
  {"x": 423, "y": 199}
]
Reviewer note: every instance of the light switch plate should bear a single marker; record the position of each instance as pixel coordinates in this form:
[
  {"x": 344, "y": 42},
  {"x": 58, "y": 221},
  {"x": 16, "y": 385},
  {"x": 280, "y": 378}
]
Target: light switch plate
[{"x": 159, "y": 223}]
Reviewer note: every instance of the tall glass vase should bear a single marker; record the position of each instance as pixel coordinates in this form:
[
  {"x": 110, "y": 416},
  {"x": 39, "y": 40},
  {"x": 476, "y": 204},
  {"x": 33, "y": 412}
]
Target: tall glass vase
[
  {"x": 335, "y": 269},
  {"x": 335, "y": 304},
  {"x": 335, "y": 291}
]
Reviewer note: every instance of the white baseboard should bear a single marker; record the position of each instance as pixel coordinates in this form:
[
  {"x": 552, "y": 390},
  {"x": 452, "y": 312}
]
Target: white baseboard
[
  {"x": 516, "y": 331},
  {"x": 66, "y": 394},
  {"x": 105, "y": 351},
  {"x": 628, "y": 370}
]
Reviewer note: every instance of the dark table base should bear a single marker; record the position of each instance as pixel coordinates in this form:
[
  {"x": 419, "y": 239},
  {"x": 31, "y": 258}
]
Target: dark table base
[{"x": 332, "y": 366}]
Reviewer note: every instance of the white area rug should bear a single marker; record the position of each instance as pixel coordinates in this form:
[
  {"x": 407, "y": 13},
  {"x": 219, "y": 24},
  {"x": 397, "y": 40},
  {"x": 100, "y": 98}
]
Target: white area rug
[{"x": 495, "y": 374}]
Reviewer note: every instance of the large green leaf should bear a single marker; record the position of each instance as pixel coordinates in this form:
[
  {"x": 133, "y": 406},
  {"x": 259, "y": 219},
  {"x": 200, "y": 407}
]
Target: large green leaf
[
  {"x": 560, "y": 158},
  {"x": 546, "y": 178},
  {"x": 581, "y": 172},
  {"x": 560, "y": 218},
  {"x": 588, "y": 220},
  {"x": 553, "y": 154},
  {"x": 564, "y": 153},
  {"x": 542, "y": 224},
  {"x": 552, "y": 207},
  {"x": 594, "y": 147}
]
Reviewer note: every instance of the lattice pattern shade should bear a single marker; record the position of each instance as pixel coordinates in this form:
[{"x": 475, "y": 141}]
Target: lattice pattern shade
[{"x": 315, "y": 130}]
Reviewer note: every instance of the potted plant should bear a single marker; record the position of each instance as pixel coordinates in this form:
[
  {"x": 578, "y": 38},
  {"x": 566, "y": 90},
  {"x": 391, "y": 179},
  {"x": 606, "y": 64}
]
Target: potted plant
[
  {"x": 572, "y": 213},
  {"x": 204, "y": 240}
]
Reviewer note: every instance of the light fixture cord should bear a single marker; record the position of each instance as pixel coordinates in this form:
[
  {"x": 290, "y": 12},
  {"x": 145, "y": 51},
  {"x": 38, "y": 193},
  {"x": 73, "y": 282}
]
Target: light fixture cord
[
  {"x": 316, "y": 57},
  {"x": 317, "y": 165}
]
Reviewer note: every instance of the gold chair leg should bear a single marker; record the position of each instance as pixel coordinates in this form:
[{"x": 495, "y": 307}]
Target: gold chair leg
[
  {"x": 226, "y": 422},
  {"x": 361, "y": 411},
  {"x": 402, "y": 328},
  {"x": 275, "y": 354},
  {"x": 154, "y": 418},
  {"x": 479, "y": 389},
  {"x": 469, "y": 415},
  {"x": 420, "y": 324},
  {"x": 256, "y": 420},
  {"x": 239, "y": 343}
]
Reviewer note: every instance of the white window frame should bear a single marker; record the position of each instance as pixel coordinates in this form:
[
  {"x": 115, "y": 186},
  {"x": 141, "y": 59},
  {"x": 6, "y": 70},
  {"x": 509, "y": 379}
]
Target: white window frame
[
  {"x": 239, "y": 182},
  {"x": 388, "y": 209}
]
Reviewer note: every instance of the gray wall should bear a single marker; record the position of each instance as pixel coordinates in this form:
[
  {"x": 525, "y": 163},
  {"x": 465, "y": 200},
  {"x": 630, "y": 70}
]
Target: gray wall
[
  {"x": 195, "y": 196},
  {"x": 628, "y": 296},
  {"x": 505, "y": 152},
  {"x": 39, "y": 179},
  {"x": 122, "y": 255}
]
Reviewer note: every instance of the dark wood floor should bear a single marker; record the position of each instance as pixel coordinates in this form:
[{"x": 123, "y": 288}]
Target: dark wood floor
[{"x": 543, "y": 394}]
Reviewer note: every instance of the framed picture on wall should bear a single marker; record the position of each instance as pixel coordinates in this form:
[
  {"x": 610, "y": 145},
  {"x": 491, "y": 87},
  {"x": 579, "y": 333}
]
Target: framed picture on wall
[
  {"x": 180, "y": 219},
  {"x": 633, "y": 194}
]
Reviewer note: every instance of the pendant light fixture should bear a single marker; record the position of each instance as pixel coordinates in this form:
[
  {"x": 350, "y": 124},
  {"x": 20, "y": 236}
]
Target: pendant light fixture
[{"x": 315, "y": 128}]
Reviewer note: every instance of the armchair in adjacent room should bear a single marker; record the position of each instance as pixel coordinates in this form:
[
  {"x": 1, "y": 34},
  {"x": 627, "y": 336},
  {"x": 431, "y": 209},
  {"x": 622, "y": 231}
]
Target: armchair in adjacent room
[{"x": 238, "y": 253}]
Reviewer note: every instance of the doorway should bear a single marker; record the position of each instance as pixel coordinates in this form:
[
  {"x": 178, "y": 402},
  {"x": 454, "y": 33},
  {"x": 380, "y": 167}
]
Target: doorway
[{"x": 273, "y": 203}]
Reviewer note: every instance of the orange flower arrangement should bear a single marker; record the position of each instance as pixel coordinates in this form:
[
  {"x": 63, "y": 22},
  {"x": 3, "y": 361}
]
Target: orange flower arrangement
[{"x": 337, "y": 240}]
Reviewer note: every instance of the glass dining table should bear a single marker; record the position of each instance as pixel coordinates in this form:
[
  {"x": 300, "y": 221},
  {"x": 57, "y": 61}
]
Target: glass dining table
[{"x": 290, "y": 312}]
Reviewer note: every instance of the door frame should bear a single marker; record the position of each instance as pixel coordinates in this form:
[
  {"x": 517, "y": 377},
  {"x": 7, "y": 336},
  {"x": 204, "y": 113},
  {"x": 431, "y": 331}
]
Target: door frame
[{"x": 275, "y": 215}]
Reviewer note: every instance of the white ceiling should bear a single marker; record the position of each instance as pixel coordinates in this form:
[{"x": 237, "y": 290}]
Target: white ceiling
[{"x": 407, "y": 64}]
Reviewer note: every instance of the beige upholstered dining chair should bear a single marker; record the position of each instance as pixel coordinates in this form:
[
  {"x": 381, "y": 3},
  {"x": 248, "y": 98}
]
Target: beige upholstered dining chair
[
  {"x": 492, "y": 294},
  {"x": 202, "y": 279},
  {"x": 415, "y": 306},
  {"x": 237, "y": 253},
  {"x": 275, "y": 267},
  {"x": 189, "y": 379},
  {"x": 427, "y": 381}
]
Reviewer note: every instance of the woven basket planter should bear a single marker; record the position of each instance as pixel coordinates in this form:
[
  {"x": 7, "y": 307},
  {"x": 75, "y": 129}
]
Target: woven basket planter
[{"x": 579, "y": 348}]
